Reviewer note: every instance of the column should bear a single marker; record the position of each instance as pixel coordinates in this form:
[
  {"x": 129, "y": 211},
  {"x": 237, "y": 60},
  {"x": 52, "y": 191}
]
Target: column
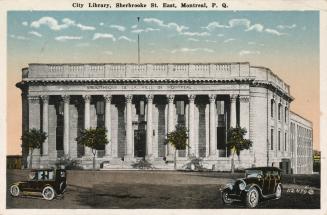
[
  {"x": 66, "y": 124},
  {"x": 129, "y": 129},
  {"x": 213, "y": 126},
  {"x": 149, "y": 132},
  {"x": 245, "y": 114},
  {"x": 233, "y": 110},
  {"x": 45, "y": 125},
  {"x": 33, "y": 122},
  {"x": 171, "y": 122},
  {"x": 108, "y": 124},
  {"x": 87, "y": 100},
  {"x": 191, "y": 99},
  {"x": 245, "y": 123}
]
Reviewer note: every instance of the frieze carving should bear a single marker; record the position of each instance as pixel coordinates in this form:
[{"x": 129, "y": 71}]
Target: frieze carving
[
  {"x": 212, "y": 98},
  {"x": 171, "y": 98},
  {"x": 33, "y": 99},
  {"x": 45, "y": 99},
  {"x": 129, "y": 98},
  {"x": 244, "y": 99},
  {"x": 107, "y": 97},
  {"x": 191, "y": 97},
  {"x": 149, "y": 97}
]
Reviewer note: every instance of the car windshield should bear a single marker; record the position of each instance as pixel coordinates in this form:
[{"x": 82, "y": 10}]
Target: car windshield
[{"x": 252, "y": 173}]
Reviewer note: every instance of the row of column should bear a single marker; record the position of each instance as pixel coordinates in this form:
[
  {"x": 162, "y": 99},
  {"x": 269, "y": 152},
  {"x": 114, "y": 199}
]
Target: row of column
[{"x": 109, "y": 150}]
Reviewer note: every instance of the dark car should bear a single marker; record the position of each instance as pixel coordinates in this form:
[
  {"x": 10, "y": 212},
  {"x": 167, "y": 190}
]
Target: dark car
[
  {"x": 47, "y": 182},
  {"x": 259, "y": 183}
]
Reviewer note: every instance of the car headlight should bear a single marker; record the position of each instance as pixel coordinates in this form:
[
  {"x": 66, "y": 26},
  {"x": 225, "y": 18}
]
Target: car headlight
[
  {"x": 230, "y": 186},
  {"x": 242, "y": 185}
]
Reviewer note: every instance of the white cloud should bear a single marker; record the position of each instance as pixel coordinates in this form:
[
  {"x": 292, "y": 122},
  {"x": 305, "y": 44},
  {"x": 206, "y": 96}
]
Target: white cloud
[
  {"x": 274, "y": 32},
  {"x": 239, "y": 22},
  {"x": 118, "y": 27},
  {"x": 53, "y": 24},
  {"x": 65, "y": 38},
  {"x": 248, "y": 52},
  {"x": 229, "y": 40},
  {"x": 235, "y": 23},
  {"x": 85, "y": 28},
  {"x": 18, "y": 37},
  {"x": 25, "y": 23},
  {"x": 103, "y": 36},
  {"x": 191, "y": 50},
  {"x": 101, "y": 24},
  {"x": 212, "y": 25},
  {"x": 281, "y": 27},
  {"x": 171, "y": 25},
  {"x": 108, "y": 52},
  {"x": 126, "y": 38},
  {"x": 256, "y": 27},
  {"x": 199, "y": 34},
  {"x": 145, "y": 30},
  {"x": 193, "y": 39},
  {"x": 37, "y": 34},
  {"x": 134, "y": 26}
]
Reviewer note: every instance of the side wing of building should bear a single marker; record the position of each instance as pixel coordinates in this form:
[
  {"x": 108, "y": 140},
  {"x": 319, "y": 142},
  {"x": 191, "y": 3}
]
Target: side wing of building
[{"x": 301, "y": 144}]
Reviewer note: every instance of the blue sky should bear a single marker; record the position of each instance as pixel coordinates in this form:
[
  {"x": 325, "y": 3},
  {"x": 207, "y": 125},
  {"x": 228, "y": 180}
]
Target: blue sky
[{"x": 165, "y": 36}]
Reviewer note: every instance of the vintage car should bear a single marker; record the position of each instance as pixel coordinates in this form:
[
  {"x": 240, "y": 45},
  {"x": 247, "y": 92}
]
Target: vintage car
[
  {"x": 49, "y": 183},
  {"x": 259, "y": 183}
]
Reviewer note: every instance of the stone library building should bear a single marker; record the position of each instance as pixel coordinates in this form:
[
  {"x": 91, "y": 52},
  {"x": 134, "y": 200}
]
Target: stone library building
[{"x": 139, "y": 104}]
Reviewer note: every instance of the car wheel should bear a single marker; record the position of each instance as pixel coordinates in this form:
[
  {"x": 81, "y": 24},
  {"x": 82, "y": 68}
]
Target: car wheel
[
  {"x": 48, "y": 193},
  {"x": 14, "y": 190},
  {"x": 278, "y": 193},
  {"x": 225, "y": 198},
  {"x": 252, "y": 198}
]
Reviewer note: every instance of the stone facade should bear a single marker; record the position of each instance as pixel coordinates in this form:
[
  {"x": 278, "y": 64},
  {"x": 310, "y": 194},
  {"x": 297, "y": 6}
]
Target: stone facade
[{"x": 140, "y": 104}]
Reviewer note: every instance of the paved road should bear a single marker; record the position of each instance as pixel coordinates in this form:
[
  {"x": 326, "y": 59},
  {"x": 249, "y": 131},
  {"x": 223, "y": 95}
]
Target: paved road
[{"x": 135, "y": 189}]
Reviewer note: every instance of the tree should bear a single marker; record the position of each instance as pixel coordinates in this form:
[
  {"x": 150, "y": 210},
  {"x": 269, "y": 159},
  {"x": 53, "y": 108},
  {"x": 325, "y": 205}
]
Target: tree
[
  {"x": 236, "y": 142},
  {"x": 33, "y": 139},
  {"x": 94, "y": 138},
  {"x": 178, "y": 139}
]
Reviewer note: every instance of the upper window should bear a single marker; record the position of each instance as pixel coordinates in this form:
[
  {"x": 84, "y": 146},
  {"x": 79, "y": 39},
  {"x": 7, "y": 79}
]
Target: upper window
[
  {"x": 278, "y": 140},
  {"x": 285, "y": 114},
  {"x": 272, "y": 139},
  {"x": 272, "y": 104},
  {"x": 279, "y": 110}
]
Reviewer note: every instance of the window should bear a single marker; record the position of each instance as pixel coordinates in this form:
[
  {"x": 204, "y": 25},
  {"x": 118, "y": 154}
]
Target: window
[
  {"x": 279, "y": 110},
  {"x": 272, "y": 104},
  {"x": 285, "y": 142},
  {"x": 272, "y": 139},
  {"x": 285, "y": 114},
  {"x": 142, "y": 108},
  {"x": 278, "y": 140},
  {"x": 180, "y": 107},
  {"x": 99, "y": 106}
]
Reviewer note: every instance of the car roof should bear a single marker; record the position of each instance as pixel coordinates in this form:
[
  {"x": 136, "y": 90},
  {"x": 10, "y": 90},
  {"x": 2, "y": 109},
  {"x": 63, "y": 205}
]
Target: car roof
[
  {"x": 47, "y": 169},
  {"x": 266, "y": 168}
]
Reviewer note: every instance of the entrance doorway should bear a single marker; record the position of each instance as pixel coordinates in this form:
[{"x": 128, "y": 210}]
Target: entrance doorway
[{"x": 139, "y": 143}]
